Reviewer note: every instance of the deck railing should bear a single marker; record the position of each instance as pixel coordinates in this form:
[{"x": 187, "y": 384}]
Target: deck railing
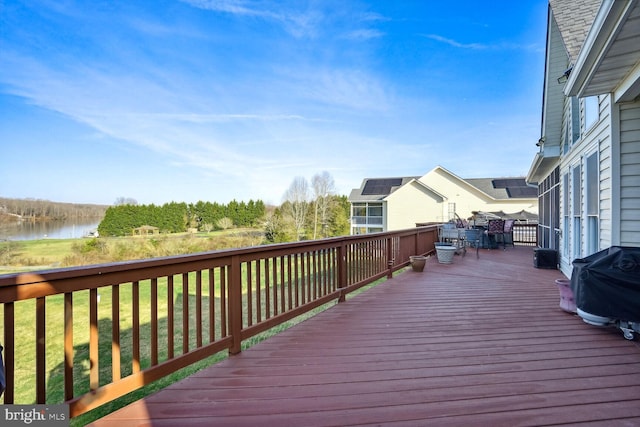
[
  {"x": 111, "y": 329},
  {"x": 525, "y": 234}
]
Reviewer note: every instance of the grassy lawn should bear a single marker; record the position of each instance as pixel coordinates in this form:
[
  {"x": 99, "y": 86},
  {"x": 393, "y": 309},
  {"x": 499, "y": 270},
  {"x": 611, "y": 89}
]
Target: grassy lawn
[
  {"x": 52, "y": 252},
  {"x": 25, "y": 342},
  {"x": 43, "y": 254},
  {"x": 158, "y": 385},
  {"x": 25, "y": 333},
  {"x": 37, "y": 254}
]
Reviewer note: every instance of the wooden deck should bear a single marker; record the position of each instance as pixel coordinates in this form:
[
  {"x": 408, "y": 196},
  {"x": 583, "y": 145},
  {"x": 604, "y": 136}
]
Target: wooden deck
[{"x": 478, "y": 342}]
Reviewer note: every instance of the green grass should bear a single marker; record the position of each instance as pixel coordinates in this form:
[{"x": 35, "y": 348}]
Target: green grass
[
  {"x": 177, "y": 376},
  {"x": 34, "y": 254},
  {"x": 30, "y": 255},
  {"x": 25, "y": 333}
]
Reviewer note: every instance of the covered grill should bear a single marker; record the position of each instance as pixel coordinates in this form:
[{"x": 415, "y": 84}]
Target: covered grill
[{"x": 606, "y": 286}]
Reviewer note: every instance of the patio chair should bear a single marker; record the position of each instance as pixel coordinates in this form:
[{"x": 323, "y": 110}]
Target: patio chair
[
  {"x": 495, "y": 228},
  {"x": 473, "y": 237},
  {"x": 508, "y": 232}
]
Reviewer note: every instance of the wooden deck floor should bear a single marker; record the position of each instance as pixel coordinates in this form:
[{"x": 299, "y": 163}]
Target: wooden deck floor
[{"x": 478, "y": 342}]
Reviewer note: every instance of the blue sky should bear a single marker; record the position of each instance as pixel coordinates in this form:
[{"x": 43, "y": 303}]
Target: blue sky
[{"x": 214, "y": 100}]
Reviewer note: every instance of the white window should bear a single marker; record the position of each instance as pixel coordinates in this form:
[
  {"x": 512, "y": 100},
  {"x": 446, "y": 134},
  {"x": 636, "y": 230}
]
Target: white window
[
  {"x": 565, "y": 214},
  {"x": 576, "y": 198},
  {"x": 567, "y": 137},
  {"x": 591, "y": 112},
  {"x": 575, "y": 120},
  {"x": 366, "y": 218},
  {"x": 592, "y": 203}
]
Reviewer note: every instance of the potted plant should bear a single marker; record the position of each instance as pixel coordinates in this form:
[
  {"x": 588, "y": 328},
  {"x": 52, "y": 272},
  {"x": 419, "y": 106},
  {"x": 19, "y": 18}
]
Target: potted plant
[
  {"x": 567, "y": 301},
  {"x": 418, "y": 262},
  {"x": 445, "y": 252}
]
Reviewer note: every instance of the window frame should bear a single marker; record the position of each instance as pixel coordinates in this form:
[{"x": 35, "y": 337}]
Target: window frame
[
  {"x": 592, "y": 201},
  {"x": 576, "y": 210}
]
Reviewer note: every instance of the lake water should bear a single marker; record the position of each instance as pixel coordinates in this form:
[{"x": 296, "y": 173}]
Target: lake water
[{"x": 48, "y": 230}]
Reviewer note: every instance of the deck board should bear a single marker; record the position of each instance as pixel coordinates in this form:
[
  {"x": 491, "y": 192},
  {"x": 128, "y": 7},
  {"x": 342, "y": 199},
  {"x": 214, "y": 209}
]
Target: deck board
[{"x": 478, "y": 342}]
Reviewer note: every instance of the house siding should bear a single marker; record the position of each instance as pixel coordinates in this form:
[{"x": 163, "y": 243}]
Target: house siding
[
  {"x": 630, "y": 174},
  {"x": 604, "y": 54},
  {"x": 467, "y": 198},
  {"x": 557, "y": 63},
  {"x": 409, "y": 205},
  {"x": 596, "y": 138},
  {"x": 431, "y": 198},
  {"x": 627, "y": 172},
  {"x": 605, "y": 173}
]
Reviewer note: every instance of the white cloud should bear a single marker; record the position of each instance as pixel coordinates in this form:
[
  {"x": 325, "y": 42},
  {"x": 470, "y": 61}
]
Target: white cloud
[
  {"x": 354, "y": 89},
  {"x": 455, "y": 43},
  {"x": 363, "y": 34},
  {"x": 482, "y": 46},
  {"x": 297, "y": 23}
]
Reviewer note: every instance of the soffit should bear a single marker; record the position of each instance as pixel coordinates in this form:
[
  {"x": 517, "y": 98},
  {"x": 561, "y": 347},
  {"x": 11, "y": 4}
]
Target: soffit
[{"x": 610, "y": 62}]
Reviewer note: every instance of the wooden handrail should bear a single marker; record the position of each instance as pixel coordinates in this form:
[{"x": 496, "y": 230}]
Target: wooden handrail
[
  {"x": 525, "y": 234},
  {"x": 159, "y": 315}
]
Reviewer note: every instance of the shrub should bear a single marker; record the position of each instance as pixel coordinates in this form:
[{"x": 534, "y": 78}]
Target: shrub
[
  {"x": 225, "y": 223},
  {"x": 8, "y": 252}
]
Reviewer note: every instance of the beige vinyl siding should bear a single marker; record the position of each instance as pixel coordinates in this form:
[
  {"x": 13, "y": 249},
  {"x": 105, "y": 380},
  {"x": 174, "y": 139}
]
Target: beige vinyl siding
[
  {"x": 467, "y": 198},
  {"x": 430, "y": 198},
  {"x": 409, "y": 205},
  {"x": 630, "y": 174}
]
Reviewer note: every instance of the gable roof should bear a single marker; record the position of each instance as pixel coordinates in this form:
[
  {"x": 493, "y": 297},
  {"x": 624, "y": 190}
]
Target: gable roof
[
  {"x": 380, "y": 186},
  {"x": 373, "y": 189},
  {"x": 568, "y": 24},
  {"x": 574, "y": 18},
  {"x": 504, "y": 188}
]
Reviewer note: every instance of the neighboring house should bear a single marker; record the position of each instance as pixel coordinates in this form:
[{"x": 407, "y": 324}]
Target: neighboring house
[
  {"x": 387, "y": 204},
  {"x": 588, "y": 166}
]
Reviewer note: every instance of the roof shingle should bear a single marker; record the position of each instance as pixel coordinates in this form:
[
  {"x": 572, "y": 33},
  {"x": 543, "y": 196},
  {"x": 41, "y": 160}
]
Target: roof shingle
[{"x": 574, "y": 18}]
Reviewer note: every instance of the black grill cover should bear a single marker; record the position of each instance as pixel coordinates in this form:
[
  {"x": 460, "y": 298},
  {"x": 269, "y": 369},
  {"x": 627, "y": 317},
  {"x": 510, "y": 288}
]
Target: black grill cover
[{"x": 607, "y": 283}]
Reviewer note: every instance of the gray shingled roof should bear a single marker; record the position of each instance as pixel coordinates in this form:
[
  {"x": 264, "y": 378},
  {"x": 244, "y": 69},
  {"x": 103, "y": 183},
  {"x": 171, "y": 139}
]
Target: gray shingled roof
[
  {"x": 498, "y": 188},
  {"x": 358, "y": 195},
  {"x": 574, "y": 18},
  {"x": 513, "y": 188}
]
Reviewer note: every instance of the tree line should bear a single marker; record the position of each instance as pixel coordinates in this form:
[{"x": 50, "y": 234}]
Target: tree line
[
  {"x": 38, "y": 209},
  {"x": 174, "y": 217},
  {"x": 309, "y": 210}
]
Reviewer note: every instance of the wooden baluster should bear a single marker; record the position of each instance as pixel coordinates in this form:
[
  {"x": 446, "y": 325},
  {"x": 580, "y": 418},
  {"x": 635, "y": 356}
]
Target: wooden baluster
[
  {"x": 116, "y": 349},
  {"x": 68, "y": 346}
]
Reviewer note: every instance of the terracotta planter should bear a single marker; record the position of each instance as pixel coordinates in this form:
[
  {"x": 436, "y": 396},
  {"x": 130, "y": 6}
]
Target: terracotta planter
[{"x": 418, "y": 262}]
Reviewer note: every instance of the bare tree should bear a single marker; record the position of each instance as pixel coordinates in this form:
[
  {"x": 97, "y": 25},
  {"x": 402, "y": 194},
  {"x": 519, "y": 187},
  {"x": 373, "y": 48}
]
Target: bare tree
[
  {"x": 125, "y": 201},
  {"x": 225, "y": 223},
  {"x": 323, "y": 188},
  {"x": 297, "y": 203},
  {"x": 39, "y": 209}
]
